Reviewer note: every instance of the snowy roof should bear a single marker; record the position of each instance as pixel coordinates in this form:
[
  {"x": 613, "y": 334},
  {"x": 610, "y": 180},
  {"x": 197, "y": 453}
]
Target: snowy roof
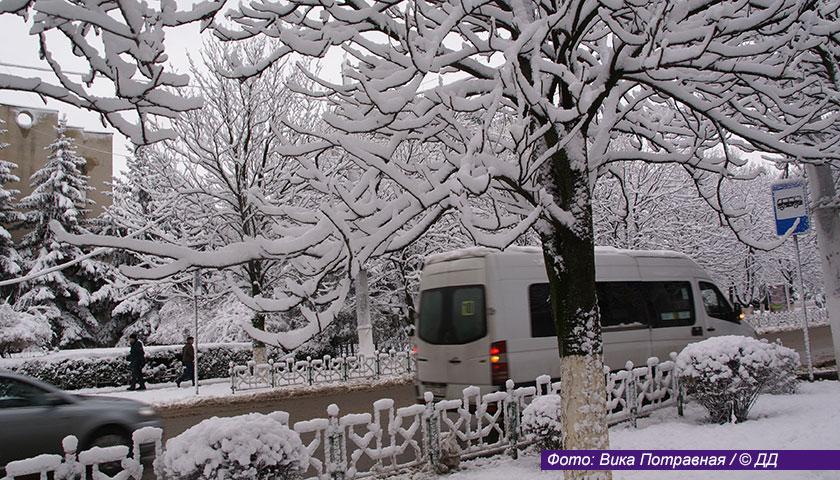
[{"x": 599, "y": 251}]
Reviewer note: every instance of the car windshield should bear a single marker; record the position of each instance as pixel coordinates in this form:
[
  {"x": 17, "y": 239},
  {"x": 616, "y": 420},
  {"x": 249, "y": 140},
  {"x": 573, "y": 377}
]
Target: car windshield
[{"x": 452, "y": 315}]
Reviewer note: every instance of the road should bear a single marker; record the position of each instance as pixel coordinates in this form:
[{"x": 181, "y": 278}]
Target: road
[
  {"x": 822, "y": 349},
  {"x": 175, "y": 421},
  {"x": 302, "y": 407}
]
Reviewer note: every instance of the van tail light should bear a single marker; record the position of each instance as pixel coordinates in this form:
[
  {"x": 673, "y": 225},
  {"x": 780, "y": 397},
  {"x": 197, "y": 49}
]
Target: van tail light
[{"x": 498, "y": 362}]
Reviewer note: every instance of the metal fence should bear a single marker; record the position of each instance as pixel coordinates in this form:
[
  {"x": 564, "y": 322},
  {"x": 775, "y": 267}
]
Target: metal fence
[
  {"x": 87, "y": 464},
  {"x": 787, "y": 320},
  {"x": 327, "y": 369},
  {"x": 392, "y": 440}
]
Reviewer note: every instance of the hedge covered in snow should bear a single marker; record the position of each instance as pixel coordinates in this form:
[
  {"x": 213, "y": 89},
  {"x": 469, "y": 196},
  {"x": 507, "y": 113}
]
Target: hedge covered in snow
[
  {"x": 108, "y": 367},
  {"x": 726, "y": 374},
  {"x": 245, "y": 447}
]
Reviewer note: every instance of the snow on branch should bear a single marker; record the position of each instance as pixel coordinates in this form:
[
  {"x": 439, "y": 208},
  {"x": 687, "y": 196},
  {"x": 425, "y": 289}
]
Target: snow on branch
[
  {"x": 122, "y": 46},
  {"x": 497, "y": 91}
]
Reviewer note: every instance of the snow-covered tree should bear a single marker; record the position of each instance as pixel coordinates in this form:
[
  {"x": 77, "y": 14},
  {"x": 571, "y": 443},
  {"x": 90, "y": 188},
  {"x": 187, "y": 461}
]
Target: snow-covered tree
[
  {"x": 641, "y": 205},
  {"x": 145, "y": 206},
  {"x": 20, "y": 331},
  {"x": 67, "y": 297},
  {"x": 568, "y": 79},
  {"x": 10, "y": 261},
  {"x": 524, "y": 102}
]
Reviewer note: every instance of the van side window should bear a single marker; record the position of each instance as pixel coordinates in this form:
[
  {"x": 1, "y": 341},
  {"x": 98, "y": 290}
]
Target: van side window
[
  {"x": 716, "y": 304},
  {"x": 623, "y": 305},
  {"x": 539, "y": 300},
  {"x": 672, "y": 304},
  {"x": 452, "y": 315}
]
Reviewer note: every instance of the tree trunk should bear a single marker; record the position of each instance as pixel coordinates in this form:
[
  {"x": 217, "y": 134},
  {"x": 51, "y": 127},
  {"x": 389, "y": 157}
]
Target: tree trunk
[
  {"x": 364, "y": 328},
  {"x": 569, "y": 251},
  {"x": 827, "y": 223},
  {"x": 258, "y": 349}
]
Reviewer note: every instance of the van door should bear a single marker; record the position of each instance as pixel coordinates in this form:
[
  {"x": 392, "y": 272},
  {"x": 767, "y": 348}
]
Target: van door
[
  {"x": 675, "y": 322},
  {"x": 625, "y": 323},
  {"x": 452, "y": 342}
]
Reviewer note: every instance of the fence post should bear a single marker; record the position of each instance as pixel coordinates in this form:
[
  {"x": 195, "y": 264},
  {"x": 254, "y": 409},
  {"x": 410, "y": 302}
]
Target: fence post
[
  {"x": 271, "y": 372},
  {"x": 378, "y": 366},
  {"x": 344, "y": 366},
  {"x": 70, "y": 468},
  {"x": 232, "y": 379},
  {"x": 512, "y": 420},
  {"x": 408, "y": 361},
  {"x": 335, "y": 445},
  {"x": 309, "y": 369},
  {"x": 678, "y": 391},
  {"x": 430, "y": 425},
  {"x": 630, "y": 392}
]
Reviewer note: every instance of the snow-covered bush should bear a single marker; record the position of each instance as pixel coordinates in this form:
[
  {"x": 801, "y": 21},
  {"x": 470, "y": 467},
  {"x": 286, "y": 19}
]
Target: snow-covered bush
[
  {"x": 450, "y": 454},
  {"x": 252, "y": 446},
  {"x": 21, "y": 330},
  {"x": 726, "y": 374},
  {"x": 91, "y": 368},
  {"x": 541, "y": 422}
]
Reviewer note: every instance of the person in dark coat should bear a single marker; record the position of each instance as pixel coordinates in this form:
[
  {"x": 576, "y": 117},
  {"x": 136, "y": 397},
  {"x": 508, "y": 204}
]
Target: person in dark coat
[
  {"x": 137, "y": 358},
  {"x": 188, "y": 359}
]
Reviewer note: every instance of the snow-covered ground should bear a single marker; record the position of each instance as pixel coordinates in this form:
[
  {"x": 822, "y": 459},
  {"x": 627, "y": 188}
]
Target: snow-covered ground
[{"x": 809, "y": 420}]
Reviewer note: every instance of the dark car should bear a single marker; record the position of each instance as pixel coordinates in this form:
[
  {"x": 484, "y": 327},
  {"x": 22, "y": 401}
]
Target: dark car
[{"x": 35, "y": 417}]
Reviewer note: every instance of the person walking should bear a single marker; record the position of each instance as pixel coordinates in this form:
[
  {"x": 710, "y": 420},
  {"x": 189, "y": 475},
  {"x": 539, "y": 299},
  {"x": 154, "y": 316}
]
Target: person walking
[
  {"x": 137, "y": 358},
  {"x": 188, "y": 359}
]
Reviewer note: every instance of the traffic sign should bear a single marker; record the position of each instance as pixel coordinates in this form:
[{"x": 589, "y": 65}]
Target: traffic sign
[{"x": 790, "y": 203}]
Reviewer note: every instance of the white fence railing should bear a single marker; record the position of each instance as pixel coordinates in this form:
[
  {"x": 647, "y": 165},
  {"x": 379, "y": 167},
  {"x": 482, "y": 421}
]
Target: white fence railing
[
  {"x": 787, "y": 320},
  {"x": 391, "y": 440},
  {"x": 290, "y": 372},
  {"x": 87, "y": 464}
]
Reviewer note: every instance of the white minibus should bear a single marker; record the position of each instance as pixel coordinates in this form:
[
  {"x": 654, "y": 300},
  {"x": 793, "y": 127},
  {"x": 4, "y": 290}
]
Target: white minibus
[{"x": 485, "y": 316}]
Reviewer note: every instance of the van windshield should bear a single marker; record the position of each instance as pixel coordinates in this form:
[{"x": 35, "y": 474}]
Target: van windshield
[{"x": 452, "y": 315}]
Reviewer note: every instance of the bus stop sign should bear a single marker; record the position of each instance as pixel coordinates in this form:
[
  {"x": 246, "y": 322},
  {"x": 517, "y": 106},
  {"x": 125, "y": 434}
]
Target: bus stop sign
[{"x": 790, "y": 203}]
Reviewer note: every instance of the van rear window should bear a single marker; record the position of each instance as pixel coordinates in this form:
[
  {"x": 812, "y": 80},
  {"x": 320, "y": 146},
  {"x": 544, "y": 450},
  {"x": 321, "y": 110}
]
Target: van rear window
[{"x": 452, "y": 315}]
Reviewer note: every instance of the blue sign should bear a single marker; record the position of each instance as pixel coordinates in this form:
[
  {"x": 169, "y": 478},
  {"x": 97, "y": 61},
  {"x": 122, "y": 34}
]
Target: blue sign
[{"x": 790, "y": 204}]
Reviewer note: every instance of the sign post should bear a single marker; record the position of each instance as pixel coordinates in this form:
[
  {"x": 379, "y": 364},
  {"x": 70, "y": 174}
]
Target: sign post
[
  {"x": 196, "y": 288},
  {"x": 790, "y": 206}
]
